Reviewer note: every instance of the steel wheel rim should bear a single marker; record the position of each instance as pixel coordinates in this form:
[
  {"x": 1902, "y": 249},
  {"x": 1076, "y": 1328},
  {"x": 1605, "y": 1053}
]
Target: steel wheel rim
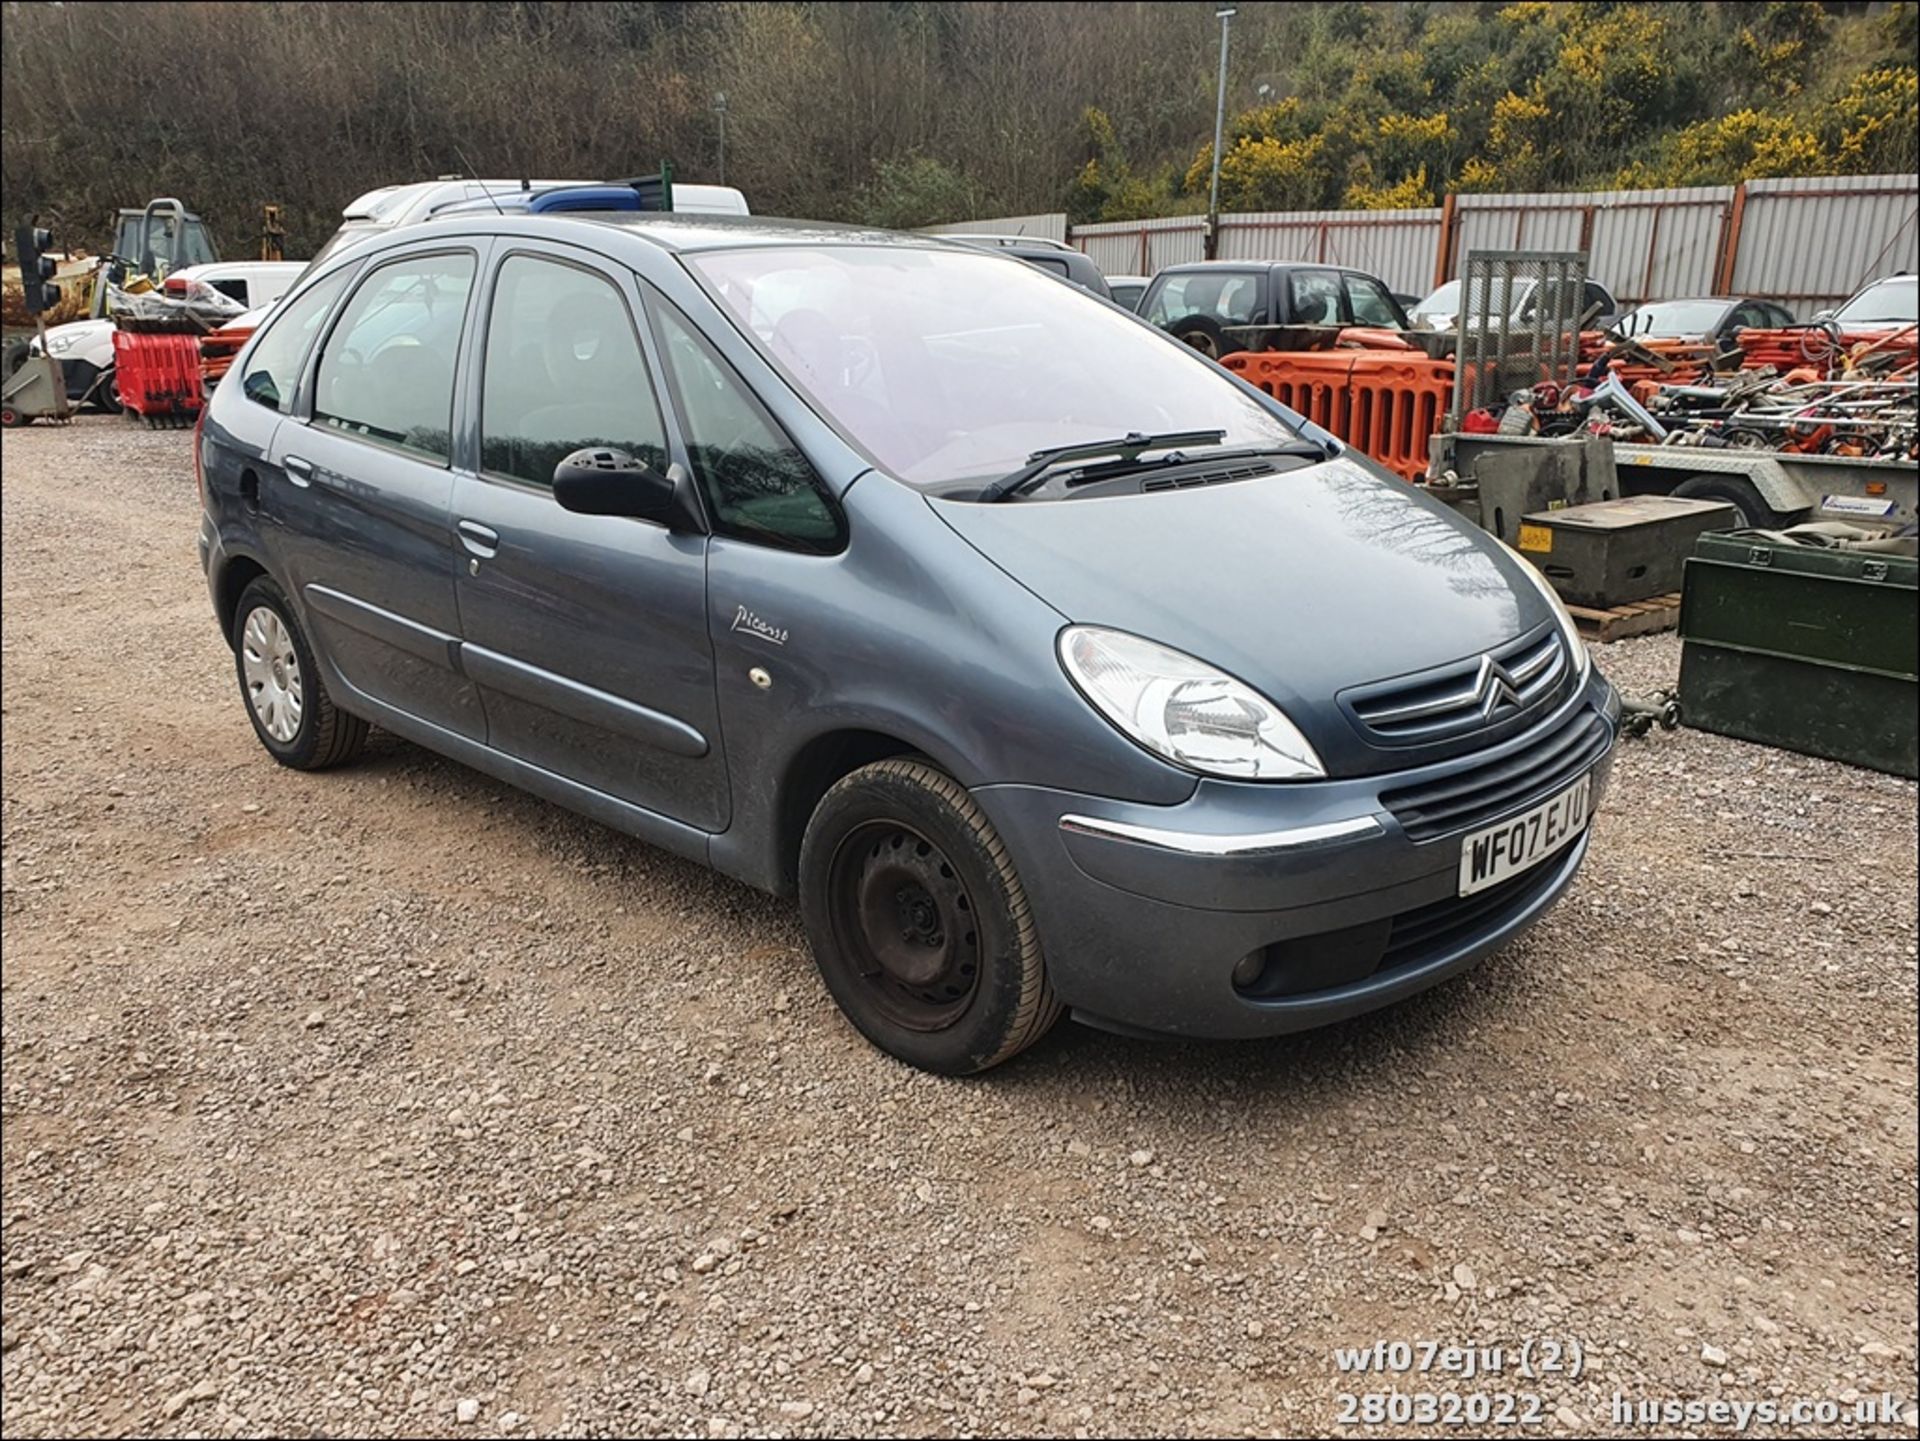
[
  {"x": 272, "y": 670},
  {"x": 907, "y": 924}
]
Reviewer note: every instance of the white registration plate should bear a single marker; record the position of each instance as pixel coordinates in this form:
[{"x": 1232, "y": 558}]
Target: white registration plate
[{"x": 1490, "y": 856}]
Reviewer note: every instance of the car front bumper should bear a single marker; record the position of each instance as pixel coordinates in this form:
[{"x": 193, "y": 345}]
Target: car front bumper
[{"x": 1317, "y": 892}]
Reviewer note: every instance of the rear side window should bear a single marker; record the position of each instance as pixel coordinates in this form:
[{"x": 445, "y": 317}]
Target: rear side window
[
  {"x": 758, "y": 484},
  {"x": 386, "y": 373},
  {"x": 564, "y": 370},
  {"x": 273, "y": 366},
  {"x": 1231, "y": 298},
  {"x": 1316, "y": 297}
]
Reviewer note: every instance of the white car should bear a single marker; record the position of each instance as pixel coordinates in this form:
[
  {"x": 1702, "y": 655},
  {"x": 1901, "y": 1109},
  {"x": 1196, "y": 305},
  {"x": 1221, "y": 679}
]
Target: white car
[
  {"x": 84, "y": 348},
  {"x": 1441, "y": 310},
  {"x": 392, "y": 206}
]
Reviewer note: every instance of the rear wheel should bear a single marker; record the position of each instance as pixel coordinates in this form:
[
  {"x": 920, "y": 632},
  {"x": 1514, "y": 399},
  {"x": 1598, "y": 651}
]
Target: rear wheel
[
  {"x": 918, "y": 922},
  {"x": 286, "y": 700},
  {"x": 1740, "y": 493},
  {"x": 1205, "y": 335}
]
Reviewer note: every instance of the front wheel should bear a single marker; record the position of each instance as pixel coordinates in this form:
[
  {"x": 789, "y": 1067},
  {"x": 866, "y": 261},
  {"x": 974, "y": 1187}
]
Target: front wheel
[
  {"x": 106, "y": 391},
  {"x": 286, "y": 700},
  {"x": 918, "y": 922}
]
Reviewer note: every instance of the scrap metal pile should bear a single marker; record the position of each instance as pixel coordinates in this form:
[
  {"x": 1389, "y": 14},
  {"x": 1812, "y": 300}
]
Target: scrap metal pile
[{"x": 1809, "y": 390}]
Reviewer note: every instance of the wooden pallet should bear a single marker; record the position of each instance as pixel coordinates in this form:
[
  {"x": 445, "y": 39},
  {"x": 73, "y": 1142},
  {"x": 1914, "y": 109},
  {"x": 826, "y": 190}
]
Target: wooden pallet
[{"x": 1643, "y": 617}]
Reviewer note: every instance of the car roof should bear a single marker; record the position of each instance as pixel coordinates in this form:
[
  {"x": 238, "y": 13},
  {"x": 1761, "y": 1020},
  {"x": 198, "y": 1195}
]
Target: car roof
[{"x": 687, "y": 233}]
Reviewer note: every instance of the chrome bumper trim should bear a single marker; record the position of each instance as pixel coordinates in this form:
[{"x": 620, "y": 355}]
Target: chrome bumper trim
[{"x": 1260, "y": 843}]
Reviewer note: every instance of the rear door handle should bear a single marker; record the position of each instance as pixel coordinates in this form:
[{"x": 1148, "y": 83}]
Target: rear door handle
[
  {"x": 299, "y": 471},
  {"x": 479, "y": 539}
]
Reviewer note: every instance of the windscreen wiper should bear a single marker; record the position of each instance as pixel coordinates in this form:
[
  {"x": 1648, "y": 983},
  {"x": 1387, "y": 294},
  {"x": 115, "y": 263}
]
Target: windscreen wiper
[
  {"x": 1127, "y": 447},
  {"x": 1304, "y": 448}
]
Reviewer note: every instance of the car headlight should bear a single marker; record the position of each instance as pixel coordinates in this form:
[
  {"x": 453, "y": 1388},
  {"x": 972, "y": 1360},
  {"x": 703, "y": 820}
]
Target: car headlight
[
  {"x": 1582, "y": 657},
  {"x": 1184, "y": 710},
  {"x": 59, "y": 344}
]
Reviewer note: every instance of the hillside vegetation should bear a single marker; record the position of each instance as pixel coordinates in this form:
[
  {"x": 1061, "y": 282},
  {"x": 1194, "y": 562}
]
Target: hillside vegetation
[{"x": 914, "y": 113}]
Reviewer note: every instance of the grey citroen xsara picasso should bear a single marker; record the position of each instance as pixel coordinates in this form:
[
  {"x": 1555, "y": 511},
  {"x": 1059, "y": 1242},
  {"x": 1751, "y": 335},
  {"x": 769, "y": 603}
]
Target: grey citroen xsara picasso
[{"x": 1052, "y": 667}]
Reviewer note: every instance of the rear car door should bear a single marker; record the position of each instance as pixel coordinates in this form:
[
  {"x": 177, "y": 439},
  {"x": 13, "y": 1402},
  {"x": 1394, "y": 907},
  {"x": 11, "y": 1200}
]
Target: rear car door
[
  {"x": 1315, "y": 297},
  {"x": 586, "y": 634},
  {"x": 362, "y": 483}
]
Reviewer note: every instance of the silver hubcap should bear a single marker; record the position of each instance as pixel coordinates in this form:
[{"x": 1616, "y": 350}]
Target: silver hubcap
[{"x": 273, "y": 674}]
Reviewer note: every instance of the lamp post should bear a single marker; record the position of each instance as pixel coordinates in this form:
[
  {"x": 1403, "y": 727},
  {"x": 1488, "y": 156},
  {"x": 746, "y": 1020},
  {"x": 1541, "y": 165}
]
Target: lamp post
[
  {"x": 1225, "y": 17},
  {"x": 720, "y": 112}
]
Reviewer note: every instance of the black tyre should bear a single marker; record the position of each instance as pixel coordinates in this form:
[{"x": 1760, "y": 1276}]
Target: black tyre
[
  {"x": 918, "y": 922},
  {"x": 106, "y": 394},
  {"x": 1740, "y": 493},
  {"x": 15, "y": 357},
  {"x": 281, "y": 688},
  {"x": 1205, "y": 335}
]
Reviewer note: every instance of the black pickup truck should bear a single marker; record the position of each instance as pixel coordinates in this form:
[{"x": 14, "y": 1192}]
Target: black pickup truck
[{"x": 1220, "y": 306}]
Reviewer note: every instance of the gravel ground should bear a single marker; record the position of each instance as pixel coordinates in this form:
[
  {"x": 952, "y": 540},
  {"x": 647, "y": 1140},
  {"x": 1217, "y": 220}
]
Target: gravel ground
[{"x": 393, "y": 1101}]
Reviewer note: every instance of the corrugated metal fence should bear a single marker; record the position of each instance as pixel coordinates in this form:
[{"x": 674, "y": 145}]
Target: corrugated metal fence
[
  {"x": 1640, "y": 244},
  {"x": 1046, "y": 227},
  {"x": 1810, "y": 243},
  {"x": 1806, "y": 243}
]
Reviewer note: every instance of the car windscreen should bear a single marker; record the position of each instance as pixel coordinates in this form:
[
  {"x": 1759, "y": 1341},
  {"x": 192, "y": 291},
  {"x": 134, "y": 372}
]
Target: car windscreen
[
  {"x": 1444, "y": 303},
  {"x": 1893, "y": 301},
  {"x": 946, "y": 366},
  {"x": 1674, "y": 317}
]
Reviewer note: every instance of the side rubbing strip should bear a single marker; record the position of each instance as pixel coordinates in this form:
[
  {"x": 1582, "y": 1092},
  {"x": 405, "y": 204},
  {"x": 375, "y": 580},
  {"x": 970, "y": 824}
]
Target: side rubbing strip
[
  {"x": 415, "y": 639},
  {"x": 580, "y": 702}
]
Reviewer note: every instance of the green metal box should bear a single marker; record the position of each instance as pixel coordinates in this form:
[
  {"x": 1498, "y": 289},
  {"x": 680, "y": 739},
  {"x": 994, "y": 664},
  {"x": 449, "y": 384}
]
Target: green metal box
[
  {"x": 1810, "y": 649},
  {"x": 1615, "y": 552}
]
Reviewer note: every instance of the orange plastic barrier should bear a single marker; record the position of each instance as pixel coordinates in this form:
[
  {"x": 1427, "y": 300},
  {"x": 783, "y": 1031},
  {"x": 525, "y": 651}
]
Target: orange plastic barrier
[
  {"x": 1385, "y": 403},
  {"x": 217, "y": 350},
  {"x": 157, "y": 374}
]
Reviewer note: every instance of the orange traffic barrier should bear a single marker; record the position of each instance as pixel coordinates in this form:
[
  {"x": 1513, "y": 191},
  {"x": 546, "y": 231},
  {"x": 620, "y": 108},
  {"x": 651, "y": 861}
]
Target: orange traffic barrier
[
  {"x": 157, "y": 373},
  {"x": 1385, "y": 403},
  {"x": 217, "y": 350}
]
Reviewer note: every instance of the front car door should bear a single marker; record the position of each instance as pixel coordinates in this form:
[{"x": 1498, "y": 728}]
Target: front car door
[
  {"x": 1370, "y": 303},
  {"x": 361, "y": 482},
  {"x": 586, "y": 634}
]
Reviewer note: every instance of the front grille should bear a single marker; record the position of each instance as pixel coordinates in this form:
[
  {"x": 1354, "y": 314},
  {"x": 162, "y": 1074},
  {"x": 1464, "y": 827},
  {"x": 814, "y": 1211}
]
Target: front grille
[
  {"x": 1492, "y": 789},
  {"x": 1430, "y": 930},
  {"x": 1467, "y": 696},
  {"x": 1207, "y": 477}
]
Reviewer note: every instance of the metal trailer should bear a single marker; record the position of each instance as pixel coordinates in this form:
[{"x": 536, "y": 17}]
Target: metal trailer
[{"x": 1770, "y": 488}]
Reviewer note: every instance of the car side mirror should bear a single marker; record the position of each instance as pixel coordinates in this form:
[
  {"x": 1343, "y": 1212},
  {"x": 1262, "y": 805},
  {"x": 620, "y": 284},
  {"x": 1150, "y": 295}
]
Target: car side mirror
[
  {"x": 1822, "y": 318},
  {"x": 602, "y": 481}
]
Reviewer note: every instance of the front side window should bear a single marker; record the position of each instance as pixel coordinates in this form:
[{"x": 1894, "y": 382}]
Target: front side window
[
  {"x": 1316, "y": 297},
  {"x": 386, "y": 371},
  {"x": 273, "y": 365},
  {"x": 1229, "y": 297},
  {"x": 948, "y": 367},
  {"x": 564, "y": 370},
  {"x": 758, "y": 484},
  {"x": 1371, "y": 303}
]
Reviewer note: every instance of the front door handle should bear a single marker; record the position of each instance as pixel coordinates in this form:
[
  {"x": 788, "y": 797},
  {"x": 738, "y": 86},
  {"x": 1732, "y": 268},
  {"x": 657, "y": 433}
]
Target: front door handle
[
  {"x": 299, "y": 471},
  {"x": 481, "y": 540}
]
